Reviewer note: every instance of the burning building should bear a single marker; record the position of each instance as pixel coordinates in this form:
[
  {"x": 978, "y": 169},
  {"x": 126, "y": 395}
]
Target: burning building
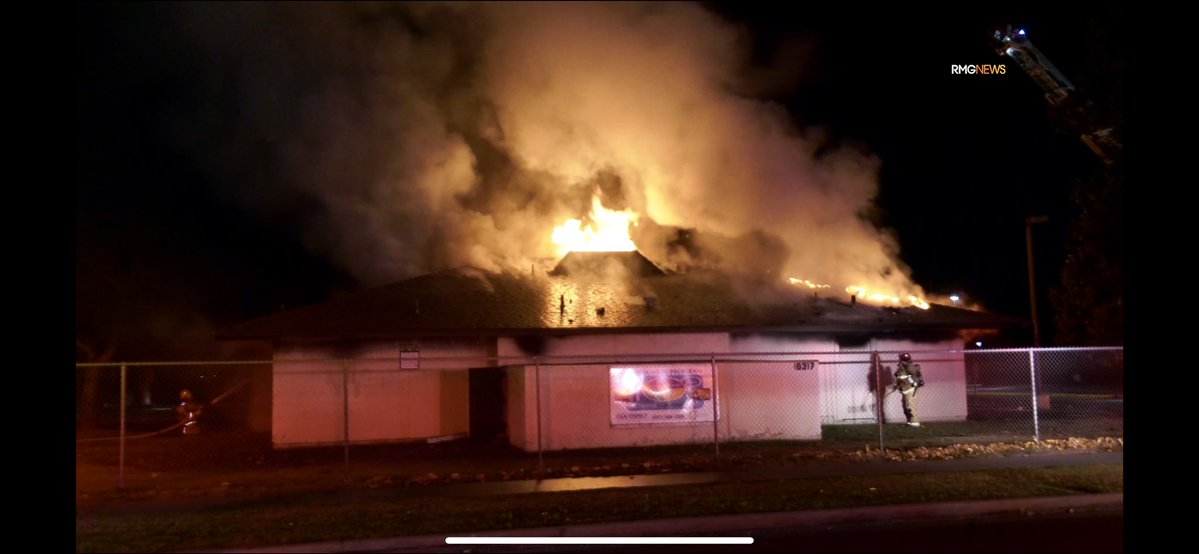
[
  {"x": 462, "y": 352},
  {"x": 691, "y": 219}
]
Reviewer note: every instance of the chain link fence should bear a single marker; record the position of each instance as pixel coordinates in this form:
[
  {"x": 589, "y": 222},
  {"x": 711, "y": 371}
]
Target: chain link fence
[
  {"x": 1000, "y": 395},
  {"x": 474, "y": 416}
]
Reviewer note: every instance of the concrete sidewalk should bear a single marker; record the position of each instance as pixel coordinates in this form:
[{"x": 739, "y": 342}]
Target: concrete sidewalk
[
  {"x": 773, "y": 473},
  {"x": 710, "y": 525},
  {"x": 725, "y": 525}
]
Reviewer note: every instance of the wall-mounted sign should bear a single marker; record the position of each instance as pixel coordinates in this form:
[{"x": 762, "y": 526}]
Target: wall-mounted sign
[
  {"x": 409, "y": 356},
  {"x": 661, "y": 394},
  {"x": 806, "y": 365}
]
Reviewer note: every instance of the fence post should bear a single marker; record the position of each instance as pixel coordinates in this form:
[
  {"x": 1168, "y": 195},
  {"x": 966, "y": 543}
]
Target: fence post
[
  {"x": 537, "y": 382},
  {"x": 1032, "y": 369},
  {"x": 345, "y": 409},
  {"x": 715, "y": 408},
  {"x": 121, "y": 455},
  {"x": 879, "y": 394}
]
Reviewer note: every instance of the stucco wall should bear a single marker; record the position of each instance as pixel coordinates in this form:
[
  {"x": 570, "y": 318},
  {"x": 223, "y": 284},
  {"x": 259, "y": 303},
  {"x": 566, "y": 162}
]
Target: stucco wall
[
  {"x": 943, "y": 398},
  {"x": 522, "y": 424},
  {"x": 386, "y": 403},
  {"x": 576, "y": 413},
  {"x": 848, "y": 398},
  {"x": 770, "y": 397},
  {"x": 766, "y": 399},
  {"x": 845, "y": 376},
  {"x": 629, "y": 343}
]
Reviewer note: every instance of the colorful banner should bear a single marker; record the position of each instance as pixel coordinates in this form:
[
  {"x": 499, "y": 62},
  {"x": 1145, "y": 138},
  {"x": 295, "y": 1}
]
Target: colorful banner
[{"x": 661, "y": 394}]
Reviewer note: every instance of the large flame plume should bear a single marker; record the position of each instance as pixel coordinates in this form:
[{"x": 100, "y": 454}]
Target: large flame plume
[
  {"x": 419, "y": 137},
  {"x": 605, "y": 231},
  {"x": 878, "y": 297}
]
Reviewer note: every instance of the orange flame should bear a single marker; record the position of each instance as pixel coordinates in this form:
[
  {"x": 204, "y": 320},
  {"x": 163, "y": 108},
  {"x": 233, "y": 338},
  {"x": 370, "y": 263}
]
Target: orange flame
[
  {"x": 606, "y": 231},
  {"x": 809, "y": 284},
  {"x": 866, "y": 295},
  {"x": 880, "y": 298}
]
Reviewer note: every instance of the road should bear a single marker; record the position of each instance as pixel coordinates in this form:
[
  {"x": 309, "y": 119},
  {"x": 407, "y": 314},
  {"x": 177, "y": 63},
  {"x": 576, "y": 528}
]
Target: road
[{"x": 1090, "y": 530}]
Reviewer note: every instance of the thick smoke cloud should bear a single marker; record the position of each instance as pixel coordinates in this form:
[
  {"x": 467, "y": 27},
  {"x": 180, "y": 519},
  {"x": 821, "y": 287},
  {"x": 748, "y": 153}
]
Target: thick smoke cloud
[{"x": 402, "y": 139}]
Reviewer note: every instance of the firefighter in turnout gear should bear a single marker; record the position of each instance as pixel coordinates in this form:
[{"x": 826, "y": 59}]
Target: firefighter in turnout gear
[
  {"x": 908, "y": 380},
  {"x": 189, "y": 412}
]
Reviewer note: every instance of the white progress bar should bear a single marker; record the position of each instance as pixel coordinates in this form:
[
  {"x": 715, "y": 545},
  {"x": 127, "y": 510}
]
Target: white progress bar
[{"x": 599, "y": 540}]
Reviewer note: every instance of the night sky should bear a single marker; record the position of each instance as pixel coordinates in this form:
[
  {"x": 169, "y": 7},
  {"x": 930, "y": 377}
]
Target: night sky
[{"x": 165, "y": 254}]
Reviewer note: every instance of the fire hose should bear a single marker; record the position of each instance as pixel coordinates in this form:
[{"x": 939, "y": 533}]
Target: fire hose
[{"x": 220, "y": 397}]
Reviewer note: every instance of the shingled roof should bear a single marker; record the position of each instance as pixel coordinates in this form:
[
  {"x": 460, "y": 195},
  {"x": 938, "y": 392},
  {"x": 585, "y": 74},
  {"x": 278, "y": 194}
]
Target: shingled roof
[
  {"x": 473, "y": 302},
  {"x": 620, "y": 264}
]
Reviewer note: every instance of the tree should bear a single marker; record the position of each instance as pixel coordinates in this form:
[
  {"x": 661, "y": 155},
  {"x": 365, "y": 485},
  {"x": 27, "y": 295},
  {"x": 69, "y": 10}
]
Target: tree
[{"x": 1090, "y": 300}]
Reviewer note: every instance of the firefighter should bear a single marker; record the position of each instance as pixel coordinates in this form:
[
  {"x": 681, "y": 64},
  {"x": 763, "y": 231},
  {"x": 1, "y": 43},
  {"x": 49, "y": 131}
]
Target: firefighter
[
  {"x": 189, "y": 412},
  {"x": 908, "y": 380}
]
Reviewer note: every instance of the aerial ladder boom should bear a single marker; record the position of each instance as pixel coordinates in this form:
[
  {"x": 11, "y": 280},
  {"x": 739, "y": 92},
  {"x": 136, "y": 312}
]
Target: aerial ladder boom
[{"x": 1059, "y": 92}]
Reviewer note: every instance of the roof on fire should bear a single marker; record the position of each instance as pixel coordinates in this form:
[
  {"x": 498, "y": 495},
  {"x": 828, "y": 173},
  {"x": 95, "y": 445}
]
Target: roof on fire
[{"x": 468, "y": 301}]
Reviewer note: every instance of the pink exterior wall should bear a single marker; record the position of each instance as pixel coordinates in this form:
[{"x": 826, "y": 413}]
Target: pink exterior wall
[
  {"x": 774, "y": 400},
  {"x": 385, "y": 402},
  {"x": 575, "y": 413},
  {"x": 761, "y": 400},
  {"x": 847, "y": 397},
  {"x": 575, "y": 410},
  {"x": 522, "y": 421},
  {"x": 844, "y": 376},
  {"x": 626, "y": 343},
  {"x": 943, "y": 398},
  {"x": 766, "y": 398}
]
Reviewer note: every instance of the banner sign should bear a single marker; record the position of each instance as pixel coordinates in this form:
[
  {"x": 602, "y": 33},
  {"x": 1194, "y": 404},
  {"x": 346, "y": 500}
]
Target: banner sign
[{"x": 661, "y": 394}]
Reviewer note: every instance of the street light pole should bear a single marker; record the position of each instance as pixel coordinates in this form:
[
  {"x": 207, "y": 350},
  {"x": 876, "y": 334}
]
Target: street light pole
[{"x": 1032, "y": 280}]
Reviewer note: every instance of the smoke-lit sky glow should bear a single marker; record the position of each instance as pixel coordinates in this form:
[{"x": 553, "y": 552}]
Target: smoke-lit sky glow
[{"x": 311, "y": 148}]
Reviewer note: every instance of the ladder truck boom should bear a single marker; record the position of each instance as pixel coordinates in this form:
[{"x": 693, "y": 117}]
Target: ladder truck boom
[{"x": 1060, "y": 93}]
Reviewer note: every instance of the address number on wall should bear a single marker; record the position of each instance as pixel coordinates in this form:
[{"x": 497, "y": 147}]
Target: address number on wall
[{"x": 806, "y": 365}]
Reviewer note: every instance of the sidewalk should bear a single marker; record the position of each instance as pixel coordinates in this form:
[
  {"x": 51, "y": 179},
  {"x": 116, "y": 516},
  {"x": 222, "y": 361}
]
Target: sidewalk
[
  {"x": 825, "y": 469},
  {"x": 728, "y": 525},
  {"x": 709, "y": 525}
]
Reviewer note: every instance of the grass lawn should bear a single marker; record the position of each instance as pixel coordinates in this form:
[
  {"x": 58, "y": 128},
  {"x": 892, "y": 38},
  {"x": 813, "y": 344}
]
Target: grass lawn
[
  {"x": 391, "y": 512},
  {"x": 231, "y": 489},
  {"x": 217, "y": 463}
]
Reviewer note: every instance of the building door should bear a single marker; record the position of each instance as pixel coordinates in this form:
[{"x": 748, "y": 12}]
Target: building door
[{"x": 488, "y": 404}]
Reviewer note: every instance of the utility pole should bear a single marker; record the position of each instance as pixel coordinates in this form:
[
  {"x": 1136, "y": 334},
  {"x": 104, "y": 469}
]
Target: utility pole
[{"x": 1032, "y": 280}]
